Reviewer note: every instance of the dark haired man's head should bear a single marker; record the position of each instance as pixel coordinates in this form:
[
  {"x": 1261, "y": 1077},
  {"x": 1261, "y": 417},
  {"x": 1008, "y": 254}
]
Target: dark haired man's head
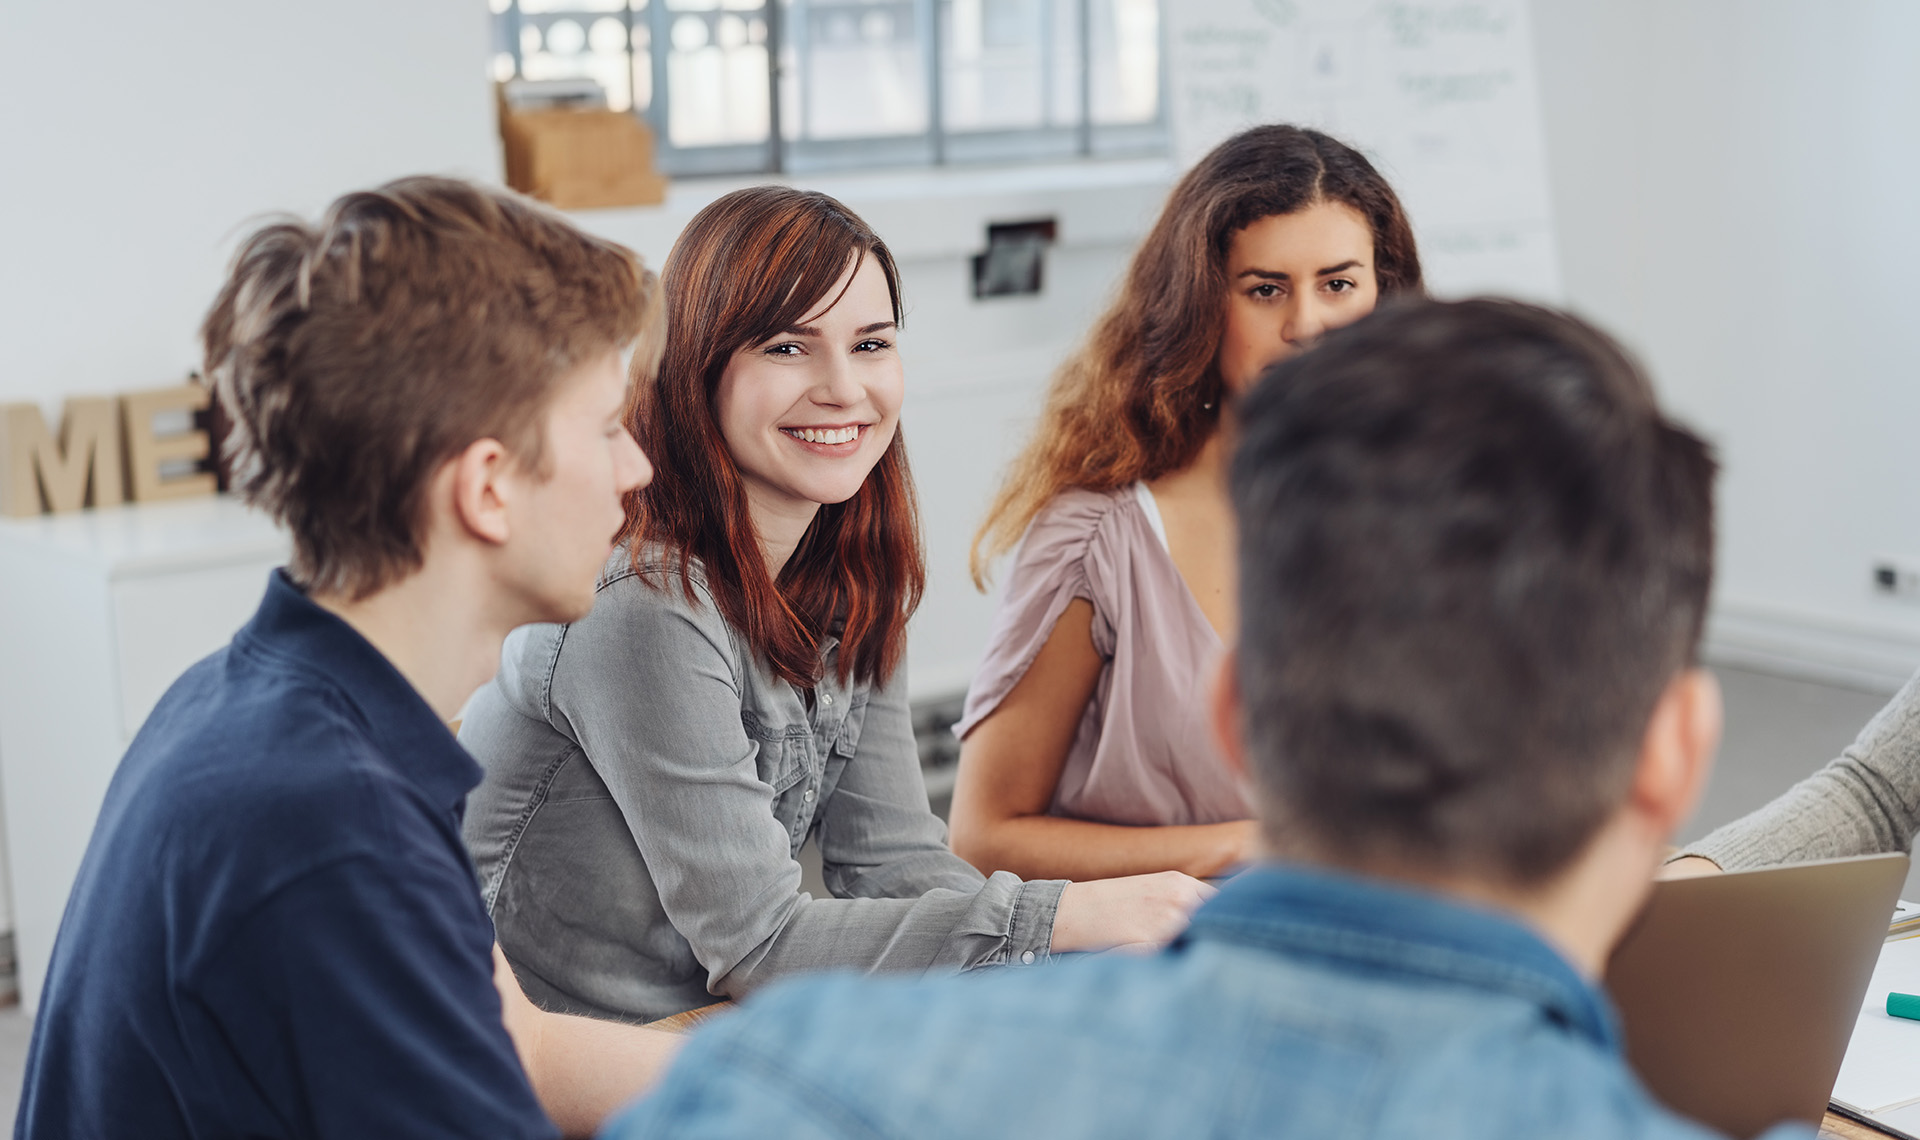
[{"x": 1474, "y": 560}]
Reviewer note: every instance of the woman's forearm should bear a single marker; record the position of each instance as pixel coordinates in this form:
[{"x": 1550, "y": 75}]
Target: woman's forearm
[
  {"x": 1045, "y": 846},
  {"x": 582, "y": 1070},
  {"x": 944, "y": 930}
]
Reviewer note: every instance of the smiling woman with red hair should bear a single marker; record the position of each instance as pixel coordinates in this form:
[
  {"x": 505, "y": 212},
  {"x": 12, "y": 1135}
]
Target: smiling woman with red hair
[{"x": 653, "y": 769}]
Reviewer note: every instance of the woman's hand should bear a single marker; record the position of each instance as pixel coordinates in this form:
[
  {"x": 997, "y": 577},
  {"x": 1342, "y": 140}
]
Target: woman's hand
[{"x": 1105, "y": 913}]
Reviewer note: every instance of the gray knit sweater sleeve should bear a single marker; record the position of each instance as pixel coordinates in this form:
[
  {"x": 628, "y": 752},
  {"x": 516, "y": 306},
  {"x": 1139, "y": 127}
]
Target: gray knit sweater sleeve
[{"x": 1865, "y": 802}]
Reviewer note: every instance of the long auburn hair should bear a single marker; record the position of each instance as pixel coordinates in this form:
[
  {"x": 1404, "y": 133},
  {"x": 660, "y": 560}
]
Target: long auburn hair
[
  {"x": 1143, "y": 394},
  {"x": 752, "y": 264}
]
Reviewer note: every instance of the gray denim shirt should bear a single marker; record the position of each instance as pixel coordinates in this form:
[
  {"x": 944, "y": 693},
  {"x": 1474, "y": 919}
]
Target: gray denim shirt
[{"x": 649, "y": 783}]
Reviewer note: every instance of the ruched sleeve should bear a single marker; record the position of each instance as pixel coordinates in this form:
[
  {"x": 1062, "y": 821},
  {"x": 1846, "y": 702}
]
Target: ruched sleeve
[
  {"x": 1143, "y": 753},
  {"x": 1049, "y": 571}
]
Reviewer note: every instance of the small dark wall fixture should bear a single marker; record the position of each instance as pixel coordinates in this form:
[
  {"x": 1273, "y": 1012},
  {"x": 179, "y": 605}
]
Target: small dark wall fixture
[{"x": 1015, "y": 259}]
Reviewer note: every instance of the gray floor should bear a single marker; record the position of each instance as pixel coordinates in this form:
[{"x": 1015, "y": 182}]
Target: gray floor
[{"x": 1777, "y": 731}]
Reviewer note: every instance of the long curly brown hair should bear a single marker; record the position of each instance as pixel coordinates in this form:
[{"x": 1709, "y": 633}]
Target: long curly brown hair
[{"x": 1143, "y": 394}]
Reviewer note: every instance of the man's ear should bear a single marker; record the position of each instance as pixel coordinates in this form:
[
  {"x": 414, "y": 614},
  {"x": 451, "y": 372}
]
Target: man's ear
[
  {"x": 482, "y": 485},
  {"x": 1225, "y": 706},
  {"x": 1676, "y": 754}
]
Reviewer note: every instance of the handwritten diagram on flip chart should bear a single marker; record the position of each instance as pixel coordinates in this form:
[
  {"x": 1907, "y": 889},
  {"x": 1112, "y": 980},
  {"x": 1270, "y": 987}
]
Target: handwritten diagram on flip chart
[{"x": 1441, "y": 96}]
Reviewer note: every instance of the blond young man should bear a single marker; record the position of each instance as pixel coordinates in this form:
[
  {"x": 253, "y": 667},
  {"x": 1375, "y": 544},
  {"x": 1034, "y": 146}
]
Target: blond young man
[{"x": 276, "y": 930}]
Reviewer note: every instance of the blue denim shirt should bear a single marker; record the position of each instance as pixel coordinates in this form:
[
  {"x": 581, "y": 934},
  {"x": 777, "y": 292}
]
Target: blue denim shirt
[{"x": 1299, "y": 1004}]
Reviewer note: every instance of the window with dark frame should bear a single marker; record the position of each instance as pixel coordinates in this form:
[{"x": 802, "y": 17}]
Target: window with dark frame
[{"x": 758, "y": 86}]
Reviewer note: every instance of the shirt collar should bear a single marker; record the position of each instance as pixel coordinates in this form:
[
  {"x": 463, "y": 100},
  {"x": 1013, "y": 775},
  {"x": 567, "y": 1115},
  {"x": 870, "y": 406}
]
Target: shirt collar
[
  {"x": 1389, "y": 929},
  {"x": 301, "y": 635}
]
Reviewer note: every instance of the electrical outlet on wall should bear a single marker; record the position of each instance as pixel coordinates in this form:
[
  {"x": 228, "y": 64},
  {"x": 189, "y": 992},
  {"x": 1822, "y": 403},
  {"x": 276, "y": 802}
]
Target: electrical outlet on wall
[{"x": 1897, "y": 577}]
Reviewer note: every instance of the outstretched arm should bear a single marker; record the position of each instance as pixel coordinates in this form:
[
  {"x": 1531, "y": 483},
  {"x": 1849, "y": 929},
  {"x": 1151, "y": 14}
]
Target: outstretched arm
[
  {"x": 717, "y": 836},
  {"x": 879, "y": 840}
]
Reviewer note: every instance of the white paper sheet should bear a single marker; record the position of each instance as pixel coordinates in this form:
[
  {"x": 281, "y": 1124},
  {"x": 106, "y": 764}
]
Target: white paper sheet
[{"x": 1882, "y": 1069}]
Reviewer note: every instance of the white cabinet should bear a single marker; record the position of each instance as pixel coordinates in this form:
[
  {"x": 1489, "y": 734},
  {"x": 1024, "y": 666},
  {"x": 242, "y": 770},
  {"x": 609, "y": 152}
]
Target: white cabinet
[{"x": 99, "y": 612}]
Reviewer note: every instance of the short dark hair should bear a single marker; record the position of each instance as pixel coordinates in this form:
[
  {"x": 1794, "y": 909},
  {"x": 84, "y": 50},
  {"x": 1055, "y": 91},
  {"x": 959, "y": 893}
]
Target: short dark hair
[
  {"x": 1473, "y": 553},
  {"x": 356, "y": 356}
]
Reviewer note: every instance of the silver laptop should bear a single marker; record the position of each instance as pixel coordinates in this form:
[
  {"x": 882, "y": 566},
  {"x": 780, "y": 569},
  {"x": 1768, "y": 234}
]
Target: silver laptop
[{"x": 1738, "y": 992}]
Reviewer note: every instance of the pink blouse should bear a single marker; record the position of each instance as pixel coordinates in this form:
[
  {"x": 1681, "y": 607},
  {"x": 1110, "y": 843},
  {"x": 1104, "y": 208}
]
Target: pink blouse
[{"x": 1144, "y": 752}]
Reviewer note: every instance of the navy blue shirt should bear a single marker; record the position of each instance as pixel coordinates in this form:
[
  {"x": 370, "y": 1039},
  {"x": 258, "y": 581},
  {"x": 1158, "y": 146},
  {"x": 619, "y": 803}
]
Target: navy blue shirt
[{"x": 276, "y": 930}]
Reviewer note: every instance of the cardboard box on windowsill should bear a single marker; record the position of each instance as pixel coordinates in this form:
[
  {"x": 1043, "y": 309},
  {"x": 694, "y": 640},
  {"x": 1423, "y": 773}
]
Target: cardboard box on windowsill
[{"x": 581, "y": 159}]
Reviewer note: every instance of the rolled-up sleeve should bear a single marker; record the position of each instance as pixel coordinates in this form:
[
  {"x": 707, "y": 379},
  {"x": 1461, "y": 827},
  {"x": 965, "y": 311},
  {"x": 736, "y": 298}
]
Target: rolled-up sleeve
[{"x": 651, "y": 687}]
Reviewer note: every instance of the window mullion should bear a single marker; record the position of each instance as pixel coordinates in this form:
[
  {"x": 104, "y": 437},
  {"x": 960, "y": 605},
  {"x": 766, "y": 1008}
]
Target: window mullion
[
  {"x": 659, "y": 46},
  {"x": 776, "y": 142},
  {"x": 1086, "y": 77},
  {"x": 513, "y": 34},
  {"x": 800, "y": 30},
  {"x": 936, "y": 78},
  {"x": 633, "y": 96}
]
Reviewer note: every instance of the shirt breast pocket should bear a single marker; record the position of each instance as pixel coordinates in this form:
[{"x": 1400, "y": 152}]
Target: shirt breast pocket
[
  {"x": 782, "y": 765},
  {"x": 848, "y": 741}
]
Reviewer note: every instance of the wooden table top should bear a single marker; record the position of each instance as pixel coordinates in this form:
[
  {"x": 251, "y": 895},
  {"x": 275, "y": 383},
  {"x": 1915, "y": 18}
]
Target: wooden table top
[
  {"x": 682, "y": 1022},
  {"x": 1838, "y": 1127}
]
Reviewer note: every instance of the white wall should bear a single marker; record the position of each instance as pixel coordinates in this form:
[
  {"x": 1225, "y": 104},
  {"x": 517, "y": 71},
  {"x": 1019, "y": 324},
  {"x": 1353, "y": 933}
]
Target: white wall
[
  {"x": 140, "y": 137},
  {"x": 1734, "y": 188}
]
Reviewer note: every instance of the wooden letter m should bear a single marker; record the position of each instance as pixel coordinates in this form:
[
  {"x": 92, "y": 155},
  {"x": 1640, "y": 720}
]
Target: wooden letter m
[{"x": 82, "y": 468}]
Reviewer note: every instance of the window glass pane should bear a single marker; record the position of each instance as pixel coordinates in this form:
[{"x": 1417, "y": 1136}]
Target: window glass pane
[
  {"x": 1125, "y": 53},
  {"x": 717, "y": 87},
  {"x": 580, "y": 38},
  {"x": 852, "y": 83},
  {"x": 1010, "y": 64},
  {"x": 853, "y": 69}
]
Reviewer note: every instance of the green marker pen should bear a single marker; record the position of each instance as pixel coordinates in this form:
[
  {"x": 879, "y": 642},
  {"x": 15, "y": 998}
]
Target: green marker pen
[{"x": 1904, "y": 1005}]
